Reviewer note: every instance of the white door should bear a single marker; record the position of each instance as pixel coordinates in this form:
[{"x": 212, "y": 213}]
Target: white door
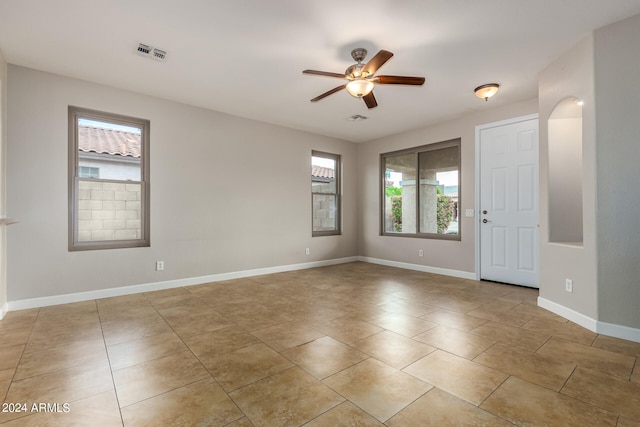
[{"x": 509, "y": 203}]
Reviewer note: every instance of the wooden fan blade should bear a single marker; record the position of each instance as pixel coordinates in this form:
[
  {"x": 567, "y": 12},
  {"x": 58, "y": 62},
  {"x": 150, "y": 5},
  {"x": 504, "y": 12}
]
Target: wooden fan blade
[
  {"x": 399, "y": 80},
  {"x": 331, "y": 92},
  {"x": 323, "y": 73},
  {"x": 377, "y": 61},
  {"x": 370, "y": 100}
]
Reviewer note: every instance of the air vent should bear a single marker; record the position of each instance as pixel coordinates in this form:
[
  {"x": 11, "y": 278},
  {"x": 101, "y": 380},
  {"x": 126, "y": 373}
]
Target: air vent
[
  {"x": 143, "y": 49},
  {"x": 158, "y": 54},
  {"x": 151, "y": 52}
]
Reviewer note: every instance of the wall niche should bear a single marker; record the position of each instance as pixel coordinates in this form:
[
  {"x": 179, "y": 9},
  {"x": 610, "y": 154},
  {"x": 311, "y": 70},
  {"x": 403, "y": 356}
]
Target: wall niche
[{"x": 565, "y": 173}]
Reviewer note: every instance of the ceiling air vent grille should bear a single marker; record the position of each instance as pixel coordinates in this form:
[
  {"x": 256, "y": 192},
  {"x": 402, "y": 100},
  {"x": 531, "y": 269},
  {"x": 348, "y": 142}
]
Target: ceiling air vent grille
[
  {"x": 151, "y": 52},
  {"x": 144, "y": 49},
  {"x": 158, "y": 54}
]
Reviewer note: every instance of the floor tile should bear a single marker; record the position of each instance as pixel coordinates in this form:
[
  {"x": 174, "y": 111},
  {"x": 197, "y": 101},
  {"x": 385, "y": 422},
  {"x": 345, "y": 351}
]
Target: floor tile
[
  {"x": 341, "y": 331},
  {"x": 604, "y": 391},
  {"x": 617, "y": 345},
  {"x": 173, "y": 296},
  {"x": 100, "y": 410},
  {"x": 195, "y": 324},
  {"x": 402, "y": 324},
  {"x": 454, "y": 320},
  {"x": 455, "y": 341},
  {"x": 62, "y": 335},
  {"x": 528, "y": 404},
  {"x": 347, "y": 329},
  {"x": 345, "y": 414},
  {"x": 324, "y": 356},
  {"x": 393, "y": 349},
  {"x": 140, "y": 382},
  {"x": 626, "y": 422},
  {"x": 242, "y": 422},
  {"x": 597, "y": 359},
  {"x": 74, "y": 353},
  {"x": 119, "y": 331},
  {"x": 377, "y": 388},
  {"x": 287, "y": 335},
  {"x": 533, "y": 367},
  {"x": 408, "y": 308},
  {"x": 439, "y": 408},
  {"x": 68, "y": 385},
  {"x": 509, "y": 335},
  {"x": 19, "y": 319},
  {"x": 245, "y": 366},
  {"x": 211, "y": 344},
  {"x": 467, "y": 380},
  {"x": 200, "y": 403},
  {"x": 561, "y": 328},
  {"x": 144, "y": 349},
  {"x": 288, "y": 398},
  {"x": 10, "y": 356},
  {"x": 121, "y": 303},
  {"x": 14, "y": 337}
]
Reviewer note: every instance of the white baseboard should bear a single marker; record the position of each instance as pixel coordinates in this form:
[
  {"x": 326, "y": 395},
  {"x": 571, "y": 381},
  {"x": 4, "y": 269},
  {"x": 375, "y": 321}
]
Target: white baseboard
[
  {"x": 423, "y": 268},
  {"x": 148, "y": 287},
  {"x": 604, "y": 328},
  {"x": 3, "y": 310},
  {"x": 618, "y": 331},
  {"x": 567, "y": 313}
]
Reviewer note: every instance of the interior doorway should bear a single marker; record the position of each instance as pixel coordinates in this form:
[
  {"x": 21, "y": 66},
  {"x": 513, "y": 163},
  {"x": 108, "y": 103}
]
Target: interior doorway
[{"x": 508, "y": 193}]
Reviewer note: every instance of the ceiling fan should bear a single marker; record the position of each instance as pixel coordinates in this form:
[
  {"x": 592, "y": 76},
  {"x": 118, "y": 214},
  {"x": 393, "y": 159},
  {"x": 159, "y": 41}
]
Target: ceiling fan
[{"x": 362, "y": 78}]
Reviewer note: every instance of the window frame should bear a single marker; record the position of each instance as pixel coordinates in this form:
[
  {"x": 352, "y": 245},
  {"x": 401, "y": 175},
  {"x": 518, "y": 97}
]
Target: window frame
[
  {"x": 337, "y": 194},
  {"x": 416, "y": 151},
  {"x": 74, "y": 115}
]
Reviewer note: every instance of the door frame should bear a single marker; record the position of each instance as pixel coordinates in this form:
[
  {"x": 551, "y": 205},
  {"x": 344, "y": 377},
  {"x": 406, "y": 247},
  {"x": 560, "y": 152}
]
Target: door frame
[{"x": 479, "y": 129}]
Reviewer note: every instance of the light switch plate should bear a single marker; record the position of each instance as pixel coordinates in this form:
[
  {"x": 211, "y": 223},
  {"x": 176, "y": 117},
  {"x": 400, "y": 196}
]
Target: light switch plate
[{"x": 468, "y": 213}]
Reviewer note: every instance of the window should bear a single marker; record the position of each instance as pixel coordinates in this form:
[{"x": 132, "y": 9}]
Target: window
[
  {"x": 88, "y": 172},
  {"x": 108, "y": 180},
  {"x": 429, "y": 209},
  {"x": 325, "y": 193}
]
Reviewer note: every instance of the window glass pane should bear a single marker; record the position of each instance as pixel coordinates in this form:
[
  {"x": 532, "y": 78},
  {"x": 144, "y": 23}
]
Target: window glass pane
[
  {"x": 400, "y": 193},
  {"x": 323, "y": 175},
  {"x": 109, "y": 211},
  {"x": 324, "y": 212},
  {"x": 325, "y": 193},
  {"x": 114, "y": 149},
  {"x": 439, "y": 190}
]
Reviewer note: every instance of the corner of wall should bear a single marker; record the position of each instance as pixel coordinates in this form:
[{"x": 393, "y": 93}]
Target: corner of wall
[{"x": 3, "y": 210}]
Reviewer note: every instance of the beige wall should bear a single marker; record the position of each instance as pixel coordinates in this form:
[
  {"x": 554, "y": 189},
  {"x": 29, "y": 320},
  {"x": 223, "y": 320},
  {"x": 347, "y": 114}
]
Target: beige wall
[
  {"x": 3, "y": 162},
  {"x": 570, "y": 76},
  {"x": 213, "y": 182},
  {"x": 602, "y": 70},
  {"x": 617, "y": 68},
  {"x": 457, "y": 256}
]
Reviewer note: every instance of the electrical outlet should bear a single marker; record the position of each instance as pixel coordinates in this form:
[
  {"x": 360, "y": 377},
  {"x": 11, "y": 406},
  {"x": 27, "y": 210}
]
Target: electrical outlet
[
  {"x": 420, "y": 252},
  {"x": 307, "y": 251},
  {"x": 159, "y": 265},
  {"x": 568, "y": 285}
]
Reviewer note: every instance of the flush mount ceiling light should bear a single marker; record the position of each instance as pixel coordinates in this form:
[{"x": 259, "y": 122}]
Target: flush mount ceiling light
[{"x": 487, "y": 91}]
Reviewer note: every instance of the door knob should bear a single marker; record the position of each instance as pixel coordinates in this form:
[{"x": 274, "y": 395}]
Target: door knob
[
  {"x": 485, "y": 220},
  {"x": 484, "y": 212}
]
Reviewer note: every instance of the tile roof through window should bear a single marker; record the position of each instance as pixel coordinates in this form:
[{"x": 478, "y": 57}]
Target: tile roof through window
[
  {"x": 322, "y": 172},
  {"x": 92, "y": 139}
]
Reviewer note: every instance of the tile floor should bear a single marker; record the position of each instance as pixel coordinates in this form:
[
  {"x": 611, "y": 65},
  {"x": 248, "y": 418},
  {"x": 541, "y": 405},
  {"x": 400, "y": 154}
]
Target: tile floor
[{"x": 354, "y": 344}]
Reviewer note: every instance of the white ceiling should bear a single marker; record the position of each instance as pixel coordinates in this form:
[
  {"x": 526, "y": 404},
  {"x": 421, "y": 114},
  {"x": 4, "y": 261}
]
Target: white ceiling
[{"x": 245, "y": 57}]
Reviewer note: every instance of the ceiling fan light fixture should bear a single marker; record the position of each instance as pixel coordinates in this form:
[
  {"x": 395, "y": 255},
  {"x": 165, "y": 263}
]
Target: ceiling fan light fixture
[
  {"x": 359, "y": 88},
  {"x": 487, "y": 91}
]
